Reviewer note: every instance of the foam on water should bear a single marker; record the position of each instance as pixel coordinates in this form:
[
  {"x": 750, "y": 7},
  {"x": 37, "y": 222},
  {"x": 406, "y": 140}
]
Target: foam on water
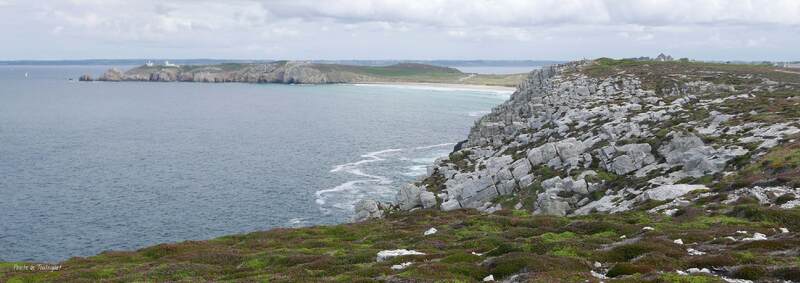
[
  {"x": 478, "y": 113},
  {"x": 379, "y": 174},
  {"x": 415, "y": 170},
  {"x": 297, "y": 222}
]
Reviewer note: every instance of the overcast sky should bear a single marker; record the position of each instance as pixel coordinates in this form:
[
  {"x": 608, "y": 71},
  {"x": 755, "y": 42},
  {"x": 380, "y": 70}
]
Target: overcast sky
[{"x": 399, "y": 29}]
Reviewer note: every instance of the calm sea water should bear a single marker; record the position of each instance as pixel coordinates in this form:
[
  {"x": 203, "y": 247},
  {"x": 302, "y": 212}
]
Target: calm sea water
[{"x": 88, "y": 167}]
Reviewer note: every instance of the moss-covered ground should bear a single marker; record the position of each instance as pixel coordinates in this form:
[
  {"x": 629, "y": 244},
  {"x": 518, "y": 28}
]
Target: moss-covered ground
[{"x": 468, "y": 247}]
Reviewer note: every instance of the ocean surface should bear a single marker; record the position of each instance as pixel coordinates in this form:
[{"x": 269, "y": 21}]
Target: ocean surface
[{"x": 89, "y": 167}]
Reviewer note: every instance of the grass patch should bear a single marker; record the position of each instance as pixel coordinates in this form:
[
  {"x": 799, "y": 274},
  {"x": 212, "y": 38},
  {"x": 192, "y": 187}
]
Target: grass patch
[{"x": 552, "y": 248}]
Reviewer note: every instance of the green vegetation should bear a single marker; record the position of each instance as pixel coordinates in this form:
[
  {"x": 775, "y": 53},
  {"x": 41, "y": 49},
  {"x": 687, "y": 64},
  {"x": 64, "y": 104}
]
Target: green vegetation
[
  {"x": 781, "y": 165},
  {"x": 658, "y": 76},
  {"x": 408, "y": 72},
  {"x": 462, "y": 161},
  {"x": 468, "y": 247}
]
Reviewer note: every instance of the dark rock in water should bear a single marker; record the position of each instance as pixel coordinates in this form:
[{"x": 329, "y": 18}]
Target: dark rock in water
[{"x": 86, "y": 78}]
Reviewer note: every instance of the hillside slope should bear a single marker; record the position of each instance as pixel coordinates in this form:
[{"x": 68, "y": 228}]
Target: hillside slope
[{"x": 695, "y": 245}]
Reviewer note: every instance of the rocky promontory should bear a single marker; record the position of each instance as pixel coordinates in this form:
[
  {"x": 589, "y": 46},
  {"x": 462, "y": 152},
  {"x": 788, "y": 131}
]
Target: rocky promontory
[
  {"x": 302, "y": 72},
  {"x": 607, "y": 136}
]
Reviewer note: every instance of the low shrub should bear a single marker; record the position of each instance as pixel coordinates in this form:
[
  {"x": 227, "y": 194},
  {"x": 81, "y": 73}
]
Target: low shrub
[
  {"x": 788, "y": 273},
  {"x": 750, "y": 272},
  {"x": 623, "y": 268},
  {"x": 710, "y": 261}
]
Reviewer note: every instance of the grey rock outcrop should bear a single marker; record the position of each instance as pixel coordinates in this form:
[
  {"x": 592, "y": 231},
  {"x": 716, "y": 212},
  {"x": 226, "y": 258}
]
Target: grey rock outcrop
[
  {"x": 408, "y": 197},
  {"x": 668, "y": 192},
  {"x": 552, "y": 205},
  {"x": 427, "y": 199},
  {"x": 577, "y": 143},
  {"x": 768, "y": 196},
  {"x": 629, "y": 157},
  {"x": 696, "y": 158},
  {"x": 112, "y": 74},
  {"x": 367, "y": 209}
]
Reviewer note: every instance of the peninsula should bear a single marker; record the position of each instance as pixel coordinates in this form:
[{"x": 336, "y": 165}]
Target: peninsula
[{"x": 303, "y": 72}]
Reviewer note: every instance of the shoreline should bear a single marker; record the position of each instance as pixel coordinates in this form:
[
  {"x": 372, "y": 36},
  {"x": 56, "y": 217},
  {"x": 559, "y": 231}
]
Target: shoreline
[
  {"x": 442, "y": 86},
  {"x": 418, "y": 85}
]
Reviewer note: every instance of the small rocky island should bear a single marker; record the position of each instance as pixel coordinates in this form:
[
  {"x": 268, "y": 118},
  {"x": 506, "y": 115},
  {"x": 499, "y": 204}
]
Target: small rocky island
[
  {"x": 303, "y": 72},
  {"x": 593, "y": 171}
]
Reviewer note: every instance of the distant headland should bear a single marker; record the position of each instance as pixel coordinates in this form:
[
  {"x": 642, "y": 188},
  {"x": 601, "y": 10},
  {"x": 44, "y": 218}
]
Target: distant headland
[{"x": 305, "y": 72}]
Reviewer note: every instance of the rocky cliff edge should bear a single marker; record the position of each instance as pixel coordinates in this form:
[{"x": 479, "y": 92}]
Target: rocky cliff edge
[{"x": 607, "y": 136}]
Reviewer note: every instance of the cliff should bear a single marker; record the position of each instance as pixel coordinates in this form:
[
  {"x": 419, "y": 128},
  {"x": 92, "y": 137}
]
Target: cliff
[
  {"x": 611, "y": 136},
  {"x": 297, "y": 72}
]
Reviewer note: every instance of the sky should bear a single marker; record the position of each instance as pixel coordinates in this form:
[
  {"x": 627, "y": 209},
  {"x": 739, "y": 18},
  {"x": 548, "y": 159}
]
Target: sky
[{"x": 400, "y": 29}]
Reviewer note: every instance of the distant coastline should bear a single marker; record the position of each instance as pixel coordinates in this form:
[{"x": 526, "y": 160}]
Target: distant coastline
[
  {"x": 374, "y": 63},
  {"x": 306, "y": 72}
]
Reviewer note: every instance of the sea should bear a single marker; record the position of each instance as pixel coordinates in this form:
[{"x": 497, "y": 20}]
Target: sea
[{"x": 87, "y": 167}]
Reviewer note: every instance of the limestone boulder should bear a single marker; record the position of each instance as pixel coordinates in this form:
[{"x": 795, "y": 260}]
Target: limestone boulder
[
  {"x": 668, "y": 192},
  {"x": 569, "y": 150},
  {"x": 633, "y": 157},
  {"x": 408, "y": 197},
  {"x": 542, "y": 154},
  {"x": 367, "y": 209},
  {"x": 697, "y": 158},
  {"x": 427, "y": 199},
  {"x": 520, "y": 168},
  {"x": 450, "y": 204},
  {"x": 551, "y": 205}
]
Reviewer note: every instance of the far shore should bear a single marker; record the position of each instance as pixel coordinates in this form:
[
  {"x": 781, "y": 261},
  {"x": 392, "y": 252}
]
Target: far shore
[{"x": 470, "y": 87}]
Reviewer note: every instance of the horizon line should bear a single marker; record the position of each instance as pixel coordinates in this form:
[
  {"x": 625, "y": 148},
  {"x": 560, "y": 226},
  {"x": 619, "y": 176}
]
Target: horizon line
[{"x": 424, "y": 60}]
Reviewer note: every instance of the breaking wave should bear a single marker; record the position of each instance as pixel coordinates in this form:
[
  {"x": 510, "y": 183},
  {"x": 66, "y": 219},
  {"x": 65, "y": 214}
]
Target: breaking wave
[
  {"x": 377, "y": 175},
  {"x": 478, "y": 113}
]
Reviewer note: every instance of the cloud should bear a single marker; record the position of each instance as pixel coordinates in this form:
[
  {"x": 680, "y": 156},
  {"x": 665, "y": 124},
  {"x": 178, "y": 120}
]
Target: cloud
[
  {"x": 148, "y": 18},
  {"x": 455, "y": 13},
  {"x": 558, "y": 29}
]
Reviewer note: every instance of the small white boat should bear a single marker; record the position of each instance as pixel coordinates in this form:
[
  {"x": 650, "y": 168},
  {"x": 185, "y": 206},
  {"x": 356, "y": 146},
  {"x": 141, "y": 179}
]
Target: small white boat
[{"x": 26, "y": 74}]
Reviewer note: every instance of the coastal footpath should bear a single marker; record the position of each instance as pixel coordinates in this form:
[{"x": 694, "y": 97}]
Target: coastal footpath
[
  {"x": 301, "y": 72},
  {"x": 593, "y": 171}
]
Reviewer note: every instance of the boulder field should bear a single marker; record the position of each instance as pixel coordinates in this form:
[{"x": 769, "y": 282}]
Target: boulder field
[{"x": 610, "y": 136}]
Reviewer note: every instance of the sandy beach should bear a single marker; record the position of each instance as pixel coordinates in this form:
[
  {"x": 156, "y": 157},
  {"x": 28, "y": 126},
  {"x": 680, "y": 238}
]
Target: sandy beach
[{"x": 444, "y": 86}]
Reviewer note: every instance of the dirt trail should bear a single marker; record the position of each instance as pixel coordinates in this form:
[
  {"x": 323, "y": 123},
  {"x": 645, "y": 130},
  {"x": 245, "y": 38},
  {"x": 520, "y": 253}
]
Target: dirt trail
[
  {"x": 787, "y": 71},
  {"x": 466, "y": 78}
]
